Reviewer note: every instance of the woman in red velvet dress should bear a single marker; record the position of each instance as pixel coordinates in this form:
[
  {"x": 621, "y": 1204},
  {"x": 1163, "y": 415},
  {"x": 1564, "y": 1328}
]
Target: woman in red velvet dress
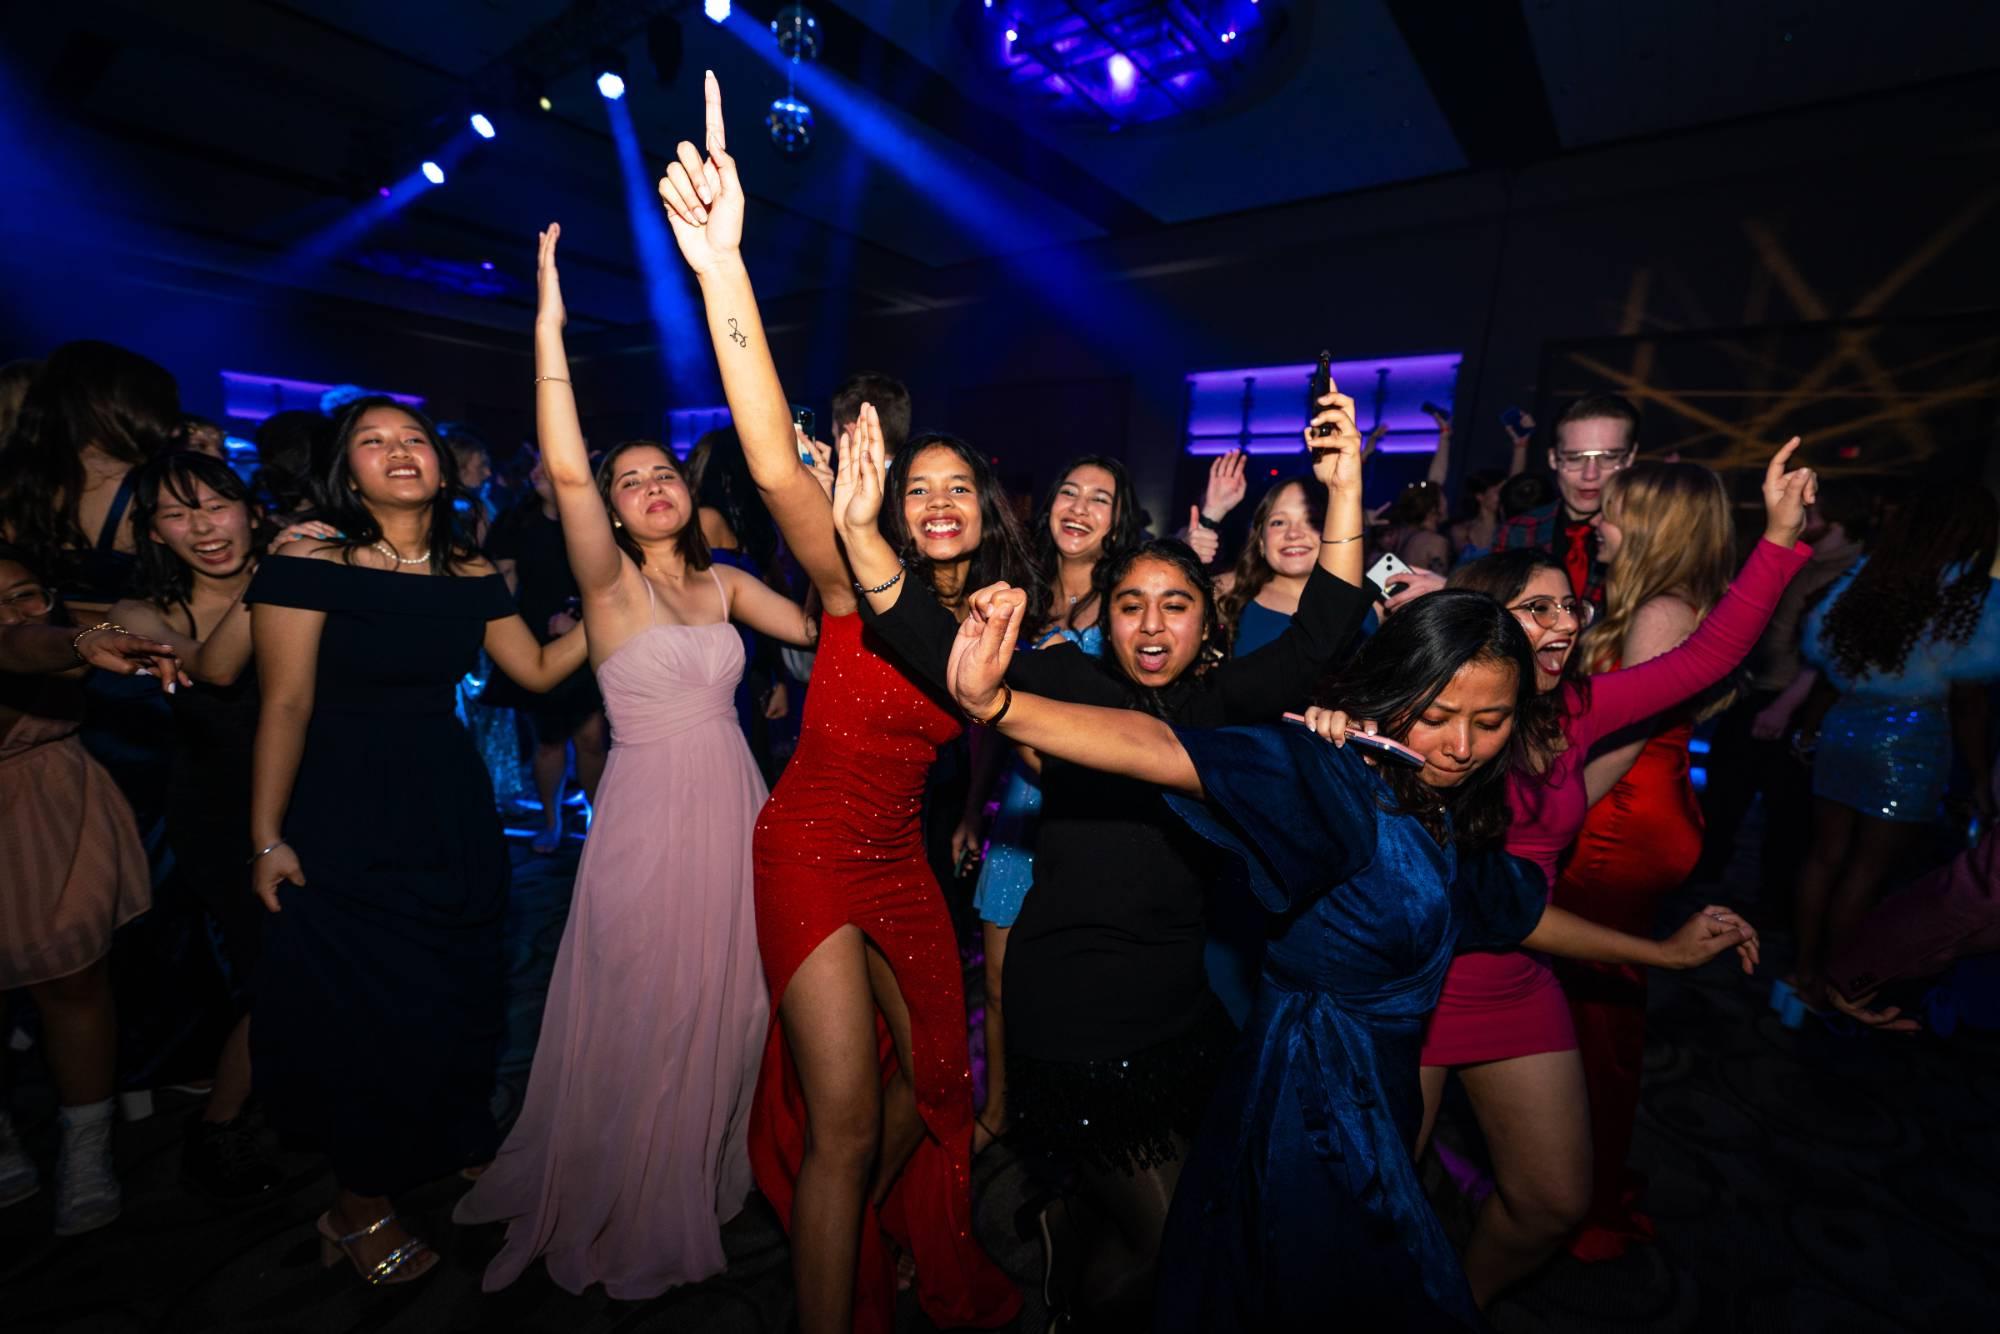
[
  {"x": 862, "y": 1123},
  {"x": 1666, "y": 537}
]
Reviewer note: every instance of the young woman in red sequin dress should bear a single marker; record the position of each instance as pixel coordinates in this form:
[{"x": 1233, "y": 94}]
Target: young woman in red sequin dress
[{"x": 862, "y": 1124}]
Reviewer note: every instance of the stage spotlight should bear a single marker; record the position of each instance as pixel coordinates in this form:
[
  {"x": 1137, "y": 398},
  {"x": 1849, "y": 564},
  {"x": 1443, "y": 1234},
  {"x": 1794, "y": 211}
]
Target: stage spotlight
[
  {"x": 663, "y": 44},
  {"x": 1123, "y": 75},
  {"x": 1013, "y": 35},
  {"x": 433, "y": 173},
  {"x": 717, "y": 10},
  {"x": 612, "y": 86},
  {"x": 482, "y": 126},
  {"x": 545, "y": 104}
]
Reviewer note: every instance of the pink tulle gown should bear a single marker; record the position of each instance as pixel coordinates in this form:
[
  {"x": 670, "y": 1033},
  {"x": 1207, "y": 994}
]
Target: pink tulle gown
[{"x": 630, "y": 1151}]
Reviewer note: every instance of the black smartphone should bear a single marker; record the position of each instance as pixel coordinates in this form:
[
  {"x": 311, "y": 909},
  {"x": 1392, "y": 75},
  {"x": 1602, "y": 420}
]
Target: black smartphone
[
  {"x": 1434, "y": 410},
  {"x": 803, "y": 419},
  {"x": 1320, "y": 386}
]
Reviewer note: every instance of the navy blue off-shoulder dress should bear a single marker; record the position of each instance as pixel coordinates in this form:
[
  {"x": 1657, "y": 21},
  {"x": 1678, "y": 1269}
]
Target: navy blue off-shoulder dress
[{"x": 1299, "y": 1207}]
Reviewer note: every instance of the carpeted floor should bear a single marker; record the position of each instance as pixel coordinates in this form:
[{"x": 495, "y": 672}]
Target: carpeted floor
[{"x": 1800, "y": 1183}]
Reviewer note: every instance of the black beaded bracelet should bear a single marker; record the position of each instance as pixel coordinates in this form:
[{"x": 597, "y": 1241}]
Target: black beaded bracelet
[{"x": 884, "y": 586}]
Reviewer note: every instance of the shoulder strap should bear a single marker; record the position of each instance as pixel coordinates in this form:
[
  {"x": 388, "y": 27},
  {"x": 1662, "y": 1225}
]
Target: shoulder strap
[
  {"x": 107, "y": 536},
  {"x": 721, "y": 588}
]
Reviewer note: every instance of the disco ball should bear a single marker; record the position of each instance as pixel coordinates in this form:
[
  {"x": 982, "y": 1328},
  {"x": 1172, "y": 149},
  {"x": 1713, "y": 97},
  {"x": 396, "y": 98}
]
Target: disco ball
[
  {"x": 797, "y": 32},
  {"x": 791, "y": 123}
]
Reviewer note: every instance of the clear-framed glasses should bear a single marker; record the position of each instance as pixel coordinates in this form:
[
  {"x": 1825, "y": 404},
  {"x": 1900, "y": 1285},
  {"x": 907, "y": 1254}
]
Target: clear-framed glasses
[
  {"x": 1609, "y": 460},
  {"x": 1548, "y": 612},
  {"x": 28, "y": 600}
]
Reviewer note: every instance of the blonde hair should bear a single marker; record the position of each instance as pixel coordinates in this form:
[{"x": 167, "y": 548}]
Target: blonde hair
[{"x": 1678, "y": 540}]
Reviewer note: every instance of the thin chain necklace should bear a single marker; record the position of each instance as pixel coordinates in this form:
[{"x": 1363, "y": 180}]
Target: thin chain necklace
[{"x": 382, "y": 545}]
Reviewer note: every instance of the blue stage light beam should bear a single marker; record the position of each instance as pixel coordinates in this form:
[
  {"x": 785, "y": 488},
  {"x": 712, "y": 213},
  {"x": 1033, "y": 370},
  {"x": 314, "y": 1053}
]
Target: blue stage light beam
[
  {"x": 677, "y": 315},
  {"x": 1074, "y": 289}
]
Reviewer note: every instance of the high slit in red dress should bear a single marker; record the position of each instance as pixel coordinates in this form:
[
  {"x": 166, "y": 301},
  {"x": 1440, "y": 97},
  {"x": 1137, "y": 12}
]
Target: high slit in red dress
[{"x": 841, "y": 842}]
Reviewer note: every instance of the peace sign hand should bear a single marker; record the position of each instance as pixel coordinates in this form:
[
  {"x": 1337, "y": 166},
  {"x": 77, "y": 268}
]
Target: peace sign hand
[
  {"x": 704, "y": 199},
  {"x": 548, "y": 287},
  {"x": 1786, "y": 496}
]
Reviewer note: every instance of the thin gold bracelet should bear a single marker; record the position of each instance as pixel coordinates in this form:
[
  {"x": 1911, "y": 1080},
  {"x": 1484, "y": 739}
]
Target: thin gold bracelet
[
  {"x": 559, "y": 379},
  {"x": 1340, "y": 541}
]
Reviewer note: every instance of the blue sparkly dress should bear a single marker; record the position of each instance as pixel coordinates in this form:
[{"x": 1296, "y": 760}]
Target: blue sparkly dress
[
  {"x": 1885, "y": 746},
  {"x": 1299, "y": 1206},
  {"x": 1010, "y": 845}
]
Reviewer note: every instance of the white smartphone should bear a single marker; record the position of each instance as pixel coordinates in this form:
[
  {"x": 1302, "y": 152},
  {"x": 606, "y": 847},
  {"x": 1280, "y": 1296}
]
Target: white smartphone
[
  {"x": 1382, "y": 571},
  {"x": 1380, "y": 745}
]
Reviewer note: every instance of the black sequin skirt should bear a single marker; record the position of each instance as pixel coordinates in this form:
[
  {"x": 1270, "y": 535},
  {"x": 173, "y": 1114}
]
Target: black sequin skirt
[{"x": 1122, "y": 1113}]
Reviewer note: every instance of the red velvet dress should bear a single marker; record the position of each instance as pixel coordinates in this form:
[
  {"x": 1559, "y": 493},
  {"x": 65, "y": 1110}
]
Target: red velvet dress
[
  {"x": 1639, "y": 843},
  {"x": 841, "y": 841}
]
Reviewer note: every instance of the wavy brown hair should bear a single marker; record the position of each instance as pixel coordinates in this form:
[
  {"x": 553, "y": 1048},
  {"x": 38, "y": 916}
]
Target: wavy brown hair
[
  {"x": 1252, "y": 573},
  {"x": 1926, "y": 576},
  {"x": 1678, "y": 541}
]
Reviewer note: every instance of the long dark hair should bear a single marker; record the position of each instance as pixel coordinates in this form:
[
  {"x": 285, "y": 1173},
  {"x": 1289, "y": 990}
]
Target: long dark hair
[
  {"x": 86, "y": 393},
  {"x": 1124, "y": 531},
  {"x": 163, "y": 578},
  {"x": 1252, "y": 572},
  {"x": 1403, "y": 668},
  {"x": 1540, "y": 731},
  {"x": 1927, "y": 574},
  {"x": 725, "y": 486},
  {"x": 1112, "y": 570},
  {"x": 1002, "y": 553},
  {"x": 693, "y": 547},
  {"x": 337, "y": 500}
]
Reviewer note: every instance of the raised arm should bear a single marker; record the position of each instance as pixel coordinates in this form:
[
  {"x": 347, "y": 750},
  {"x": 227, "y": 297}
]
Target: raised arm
[
  {"x": 1441, "y": 457},
  {"x": 594, "y": 557},
  {"x": 1659, "y": 627},
  {"x": 755, "y": 604},
  {"x": 704, "y": 200},
  {"x": 1117, "y": 741},
  {"x": 1620, "y": 699}
]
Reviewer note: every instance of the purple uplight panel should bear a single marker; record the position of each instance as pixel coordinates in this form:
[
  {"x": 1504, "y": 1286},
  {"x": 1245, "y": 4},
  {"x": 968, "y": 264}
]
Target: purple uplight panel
[
  {"x": 252, "y": 398},
  {"x": 1267, "y": 404}
]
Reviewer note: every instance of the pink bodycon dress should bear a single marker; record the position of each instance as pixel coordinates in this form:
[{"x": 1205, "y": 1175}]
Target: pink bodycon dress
[{"x": 1496, "y": 1007}]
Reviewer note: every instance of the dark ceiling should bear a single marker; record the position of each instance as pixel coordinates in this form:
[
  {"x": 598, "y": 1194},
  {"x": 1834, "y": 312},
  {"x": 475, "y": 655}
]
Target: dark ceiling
[{"x": 226, "y": 137}]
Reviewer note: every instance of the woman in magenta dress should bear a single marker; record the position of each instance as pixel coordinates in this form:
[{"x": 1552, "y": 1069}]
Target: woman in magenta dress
[
  {"x": 1666, "y": 538},
  {"x": 862, "y": 1124},
  {"x": 1502, "y": 1021},
  {"x": 631, "y": 1151}
]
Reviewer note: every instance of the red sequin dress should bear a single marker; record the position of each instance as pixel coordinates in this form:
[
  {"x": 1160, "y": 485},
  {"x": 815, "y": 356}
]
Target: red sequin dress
[{"x": 841, "y": 841}]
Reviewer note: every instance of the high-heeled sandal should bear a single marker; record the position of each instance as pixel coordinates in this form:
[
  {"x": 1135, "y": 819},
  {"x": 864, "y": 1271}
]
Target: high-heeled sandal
[{"x": 405, "y": 1264}]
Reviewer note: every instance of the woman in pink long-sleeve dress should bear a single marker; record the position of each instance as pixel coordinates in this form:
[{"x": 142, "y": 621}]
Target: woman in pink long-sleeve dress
[
  {"x": 1502, "y": 1021},
  {"x": 631, "y": 1151}
]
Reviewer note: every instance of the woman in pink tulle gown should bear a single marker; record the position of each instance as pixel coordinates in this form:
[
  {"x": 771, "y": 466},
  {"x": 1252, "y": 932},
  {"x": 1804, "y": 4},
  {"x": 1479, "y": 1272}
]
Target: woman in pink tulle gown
[{"x": 630, "y": 1152}]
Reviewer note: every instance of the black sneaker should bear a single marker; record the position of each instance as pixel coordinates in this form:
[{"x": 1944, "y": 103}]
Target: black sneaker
[{"x": 224, "y": 1160}]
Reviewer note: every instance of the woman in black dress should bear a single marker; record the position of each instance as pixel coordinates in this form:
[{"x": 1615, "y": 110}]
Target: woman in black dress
[
  {"x": 1114, "y": 1039},
  {"x": 196, "y": 529},
  {"x": 376, "y": 843}
]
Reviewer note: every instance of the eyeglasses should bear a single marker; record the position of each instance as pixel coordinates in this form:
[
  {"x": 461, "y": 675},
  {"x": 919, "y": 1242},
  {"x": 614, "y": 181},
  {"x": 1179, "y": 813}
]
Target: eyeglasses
[
  {"x": 1548, "y": 611},
  {"x": 31, "y": 600},
  {"x": 1610, "y": 460}
]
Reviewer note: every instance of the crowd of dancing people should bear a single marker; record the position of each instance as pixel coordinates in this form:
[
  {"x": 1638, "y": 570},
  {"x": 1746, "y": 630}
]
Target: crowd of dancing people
[{"x": 1263, "y": 849}]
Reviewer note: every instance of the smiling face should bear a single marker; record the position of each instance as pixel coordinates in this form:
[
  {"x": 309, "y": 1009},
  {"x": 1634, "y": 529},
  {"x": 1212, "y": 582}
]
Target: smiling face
[
  {"x": 209, "y": 533},
  {"x": 1291, "y": 533},
  {"x": 24, "y": 599},
  {"x": 941, "y": 505},
  {"x": 1080, "y": 519},
  {"x": 648, "y": 495},
  {"x": 1552, "y": 645},
  {"x": 1467, "y": 725},
  {"x": 392, "y": 460},
  {"x": 1158, "y": 622}
]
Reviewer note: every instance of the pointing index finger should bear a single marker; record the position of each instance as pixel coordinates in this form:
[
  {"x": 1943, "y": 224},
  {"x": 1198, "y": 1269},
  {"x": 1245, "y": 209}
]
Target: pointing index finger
[
  {"x": 711, "y": 90},
  {"x": 1785, "y": 452}
]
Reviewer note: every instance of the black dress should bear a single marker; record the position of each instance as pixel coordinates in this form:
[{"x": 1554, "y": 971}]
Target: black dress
[
  {"x": 379, "y": 1011},
  {"x": 1114, "y": 1038}
]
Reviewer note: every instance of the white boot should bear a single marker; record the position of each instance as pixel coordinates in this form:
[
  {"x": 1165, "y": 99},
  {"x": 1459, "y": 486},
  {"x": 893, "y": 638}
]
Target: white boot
[
  {"x": 17, "y": 1171},
  {"x": 87, "y": 1195}
]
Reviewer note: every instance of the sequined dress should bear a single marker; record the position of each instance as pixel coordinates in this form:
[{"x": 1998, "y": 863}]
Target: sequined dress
[
  {"x": 1885, "y": 745},
  {"x": 841, "y": 842}
]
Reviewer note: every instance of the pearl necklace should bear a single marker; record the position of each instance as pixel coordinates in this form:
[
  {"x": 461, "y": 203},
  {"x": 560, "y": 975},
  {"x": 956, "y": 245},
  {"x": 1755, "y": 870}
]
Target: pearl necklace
[{"x": 394, "y": 555}]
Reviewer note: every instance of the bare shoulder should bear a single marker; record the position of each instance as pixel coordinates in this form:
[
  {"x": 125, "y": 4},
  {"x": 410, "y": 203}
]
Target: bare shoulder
[
  {"x": 474, "y": 566},
  {"x": 311, "y": 548}
]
